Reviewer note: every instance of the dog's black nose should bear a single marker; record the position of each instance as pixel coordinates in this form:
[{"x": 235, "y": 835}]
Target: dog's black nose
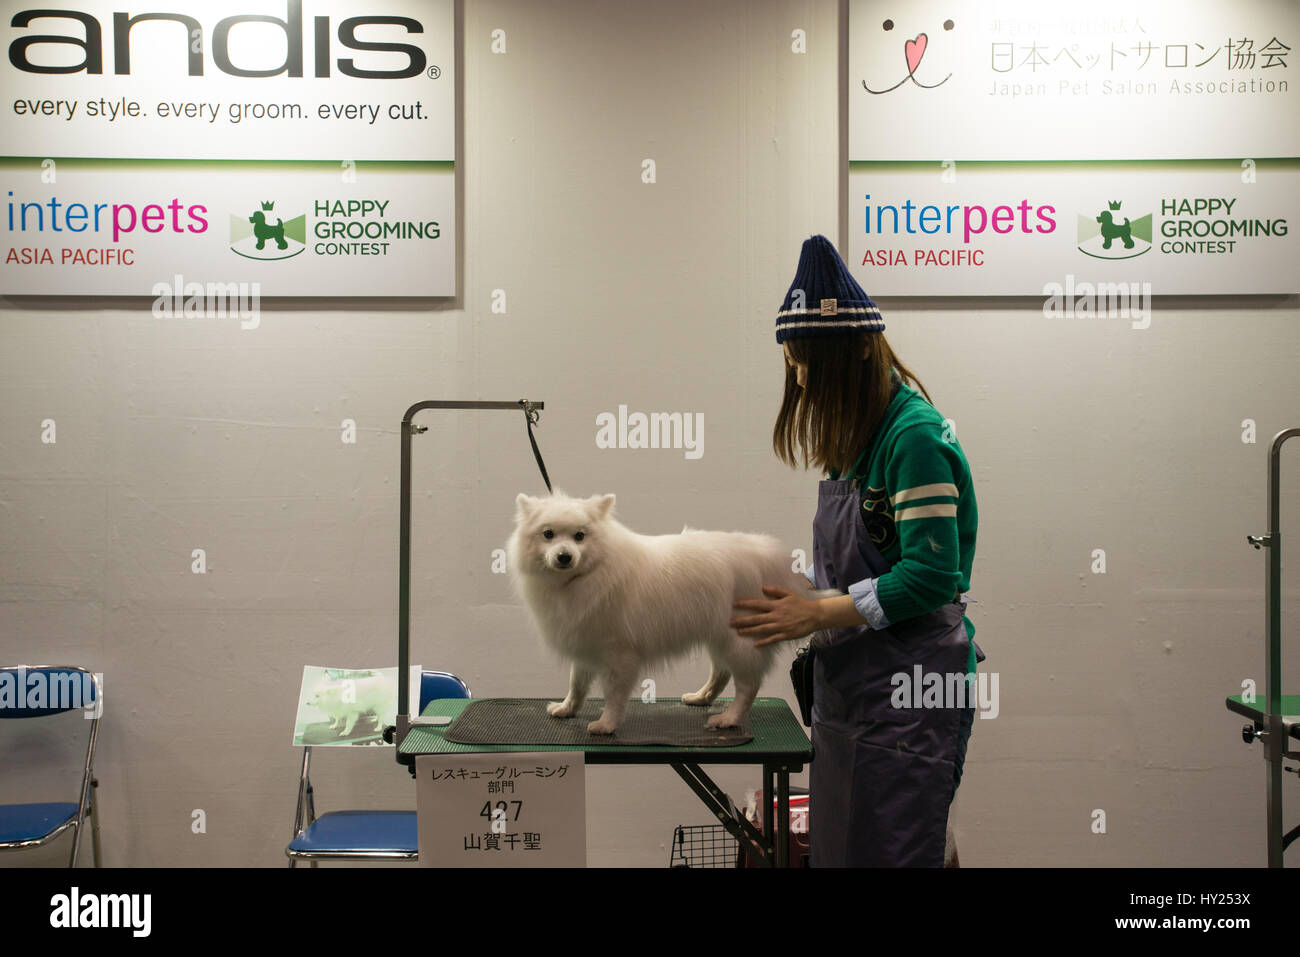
[{"x": 564, "y": 559}]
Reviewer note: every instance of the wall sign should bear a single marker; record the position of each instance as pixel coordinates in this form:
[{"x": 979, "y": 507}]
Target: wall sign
[
  {"x": 1003, "y": 147},
  {"x": 301, "y": 147}
]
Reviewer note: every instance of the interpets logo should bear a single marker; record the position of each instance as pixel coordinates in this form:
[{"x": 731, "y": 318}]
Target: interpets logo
[
  {"x": 117, "y": 219},
  {"x": 893, "y": 221}
]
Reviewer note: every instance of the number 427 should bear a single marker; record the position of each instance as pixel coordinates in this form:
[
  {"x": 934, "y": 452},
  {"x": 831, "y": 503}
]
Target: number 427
[{"x": 501, "y": 811}]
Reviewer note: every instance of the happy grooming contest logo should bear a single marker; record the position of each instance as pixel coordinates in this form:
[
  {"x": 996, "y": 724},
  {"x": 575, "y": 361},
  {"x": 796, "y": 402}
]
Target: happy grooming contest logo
[
  {"x": 263, "y": 235},
  {"x": 1111, "y": 235}
]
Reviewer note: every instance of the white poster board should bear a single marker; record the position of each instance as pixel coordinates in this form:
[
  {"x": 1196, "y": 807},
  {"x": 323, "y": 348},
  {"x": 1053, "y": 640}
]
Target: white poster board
[
  {"x": 1009, "y": 147},
  {"x": 300, "y": 147}
]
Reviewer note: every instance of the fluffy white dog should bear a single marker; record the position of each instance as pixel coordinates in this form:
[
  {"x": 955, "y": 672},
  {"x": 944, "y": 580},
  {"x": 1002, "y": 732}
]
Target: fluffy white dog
[{"x": 615, "y": 603}]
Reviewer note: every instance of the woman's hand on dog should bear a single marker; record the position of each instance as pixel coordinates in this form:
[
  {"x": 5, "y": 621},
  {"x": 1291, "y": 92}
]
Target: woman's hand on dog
[
  {"x": 785, "y": 617},
  {"x": 788, "y": 616}
]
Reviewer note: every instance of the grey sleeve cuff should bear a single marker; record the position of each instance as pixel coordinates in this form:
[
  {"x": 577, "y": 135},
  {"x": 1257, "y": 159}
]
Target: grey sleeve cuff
[{"x": 867, "y": 602}]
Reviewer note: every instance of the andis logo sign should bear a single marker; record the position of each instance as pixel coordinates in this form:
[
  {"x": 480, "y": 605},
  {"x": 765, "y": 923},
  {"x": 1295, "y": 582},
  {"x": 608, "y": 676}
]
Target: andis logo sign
[{"x": 87, "y": 36}]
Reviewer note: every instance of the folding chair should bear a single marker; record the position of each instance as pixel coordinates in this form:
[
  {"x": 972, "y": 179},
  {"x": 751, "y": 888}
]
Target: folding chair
[
  {"x": 57, "y": 689},
  {"x": 362, "y": 835}
]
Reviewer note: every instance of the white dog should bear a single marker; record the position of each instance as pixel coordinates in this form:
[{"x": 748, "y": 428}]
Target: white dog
[{"x": 615, "y": 603}]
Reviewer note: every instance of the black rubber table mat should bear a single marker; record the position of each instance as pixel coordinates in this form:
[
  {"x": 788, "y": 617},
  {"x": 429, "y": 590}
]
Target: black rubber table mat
[{"x": 525, "y": 721}]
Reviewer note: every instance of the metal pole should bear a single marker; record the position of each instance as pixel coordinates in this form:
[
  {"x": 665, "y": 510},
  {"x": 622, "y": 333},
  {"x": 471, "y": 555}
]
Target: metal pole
[
  {"x": 1274, "y": 730},
  {"x": 404, "y": 546}
]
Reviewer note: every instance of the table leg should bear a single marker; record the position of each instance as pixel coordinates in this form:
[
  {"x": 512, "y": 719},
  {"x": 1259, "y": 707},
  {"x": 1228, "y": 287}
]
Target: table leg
[
  {"x": 782, "y": 836},
  {"x": 724, "y": 809},
  {"x": 769, "y": 825}
]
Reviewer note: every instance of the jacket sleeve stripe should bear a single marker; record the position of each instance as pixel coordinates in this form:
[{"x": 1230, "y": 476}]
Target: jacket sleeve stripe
[
  {"x": 926, "y": 511},
  {"x": 925, "y": 491}
]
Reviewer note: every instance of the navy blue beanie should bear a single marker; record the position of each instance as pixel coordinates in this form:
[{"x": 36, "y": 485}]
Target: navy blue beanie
[{"x": 824, "y": 299}]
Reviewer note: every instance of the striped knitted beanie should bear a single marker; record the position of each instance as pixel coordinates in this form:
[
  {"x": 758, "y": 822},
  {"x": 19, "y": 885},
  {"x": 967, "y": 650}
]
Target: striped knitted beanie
[{"x": 824, "y": 299}]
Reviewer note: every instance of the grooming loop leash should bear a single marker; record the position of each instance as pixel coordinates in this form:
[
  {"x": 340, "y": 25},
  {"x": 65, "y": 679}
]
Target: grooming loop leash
[{"x": 531, "y": 417}]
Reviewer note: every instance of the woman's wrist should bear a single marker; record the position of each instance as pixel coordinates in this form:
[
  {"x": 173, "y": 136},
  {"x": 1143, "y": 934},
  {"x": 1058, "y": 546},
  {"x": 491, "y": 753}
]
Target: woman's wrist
[{"x": 837, "y": 612}]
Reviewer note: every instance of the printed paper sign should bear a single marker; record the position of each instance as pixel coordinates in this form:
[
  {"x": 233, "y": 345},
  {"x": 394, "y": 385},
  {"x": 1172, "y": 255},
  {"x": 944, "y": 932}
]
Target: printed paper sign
[
  {"x": 517, "y": 809},
  {"x": 348, "y": 706}
]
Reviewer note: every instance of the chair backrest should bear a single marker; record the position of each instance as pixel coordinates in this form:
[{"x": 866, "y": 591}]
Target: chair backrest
[
  {"x": 440, "y": 684},
  {"x": 33, "y": 691}
]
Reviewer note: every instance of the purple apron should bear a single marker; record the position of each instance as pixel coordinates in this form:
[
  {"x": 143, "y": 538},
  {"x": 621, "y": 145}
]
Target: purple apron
[{"x": 881, "y": 779}]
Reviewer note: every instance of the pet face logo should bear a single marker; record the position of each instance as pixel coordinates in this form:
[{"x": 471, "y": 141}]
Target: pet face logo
[
  {"x": 1111, "y": 235},
  {"x": 913, "y": 51},
  {"x": 262, "y": 235}
]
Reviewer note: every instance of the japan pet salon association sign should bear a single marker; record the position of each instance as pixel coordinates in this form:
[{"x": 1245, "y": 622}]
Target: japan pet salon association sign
[
  {"x": 306, "y": 146},
  {"x": 999, "y": 146}
]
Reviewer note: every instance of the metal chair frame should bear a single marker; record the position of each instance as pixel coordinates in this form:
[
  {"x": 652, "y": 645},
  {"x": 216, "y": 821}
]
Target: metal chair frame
[{"x": 89, "y": 784}]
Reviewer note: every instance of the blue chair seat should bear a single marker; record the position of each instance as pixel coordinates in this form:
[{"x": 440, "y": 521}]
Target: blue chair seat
[
  {"x": 33, "y": 822},
  {"x": 358, "y": 833}
]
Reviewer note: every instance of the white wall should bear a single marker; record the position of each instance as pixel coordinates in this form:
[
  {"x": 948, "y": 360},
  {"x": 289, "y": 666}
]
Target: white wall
[{"x": 175, "y": 435}]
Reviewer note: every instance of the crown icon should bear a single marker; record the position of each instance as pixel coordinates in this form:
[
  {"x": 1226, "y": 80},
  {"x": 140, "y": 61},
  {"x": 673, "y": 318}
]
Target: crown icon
[
  {"x": 267, "y": 207},
  {"x": 1114, "y": 204}
]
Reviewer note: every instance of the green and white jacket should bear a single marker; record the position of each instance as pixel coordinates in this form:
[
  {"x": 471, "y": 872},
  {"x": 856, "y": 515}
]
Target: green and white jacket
[{"x": 919, "y": 509}]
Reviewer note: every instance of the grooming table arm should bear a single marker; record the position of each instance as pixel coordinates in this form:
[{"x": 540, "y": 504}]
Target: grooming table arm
[{"x": 404, "y": 561}]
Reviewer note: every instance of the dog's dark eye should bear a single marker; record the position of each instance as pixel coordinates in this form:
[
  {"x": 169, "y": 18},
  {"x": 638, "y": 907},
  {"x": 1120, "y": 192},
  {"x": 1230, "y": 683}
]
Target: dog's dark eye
[
  {"x": 888, "y": 24},
  {"x": 947, "y": 24},
  {"x": 579, "y": 536},
  {"x": 548, "y": 534}
]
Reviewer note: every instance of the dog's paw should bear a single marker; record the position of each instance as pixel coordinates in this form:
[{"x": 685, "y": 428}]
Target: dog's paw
[
  {"x": 560, "y": 709},
  {"x": 695, "y": 699},
  {"x": 724, "y": 720},
  {"x": 601, "y": 726}
]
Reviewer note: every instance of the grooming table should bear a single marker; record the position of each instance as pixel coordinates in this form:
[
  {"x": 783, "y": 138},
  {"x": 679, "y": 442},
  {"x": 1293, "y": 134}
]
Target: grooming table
[{"x": 779, "y": 747}]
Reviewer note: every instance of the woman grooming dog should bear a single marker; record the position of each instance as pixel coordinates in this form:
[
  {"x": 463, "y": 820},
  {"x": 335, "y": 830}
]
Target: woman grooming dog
[{"x": 895, "y": 534}]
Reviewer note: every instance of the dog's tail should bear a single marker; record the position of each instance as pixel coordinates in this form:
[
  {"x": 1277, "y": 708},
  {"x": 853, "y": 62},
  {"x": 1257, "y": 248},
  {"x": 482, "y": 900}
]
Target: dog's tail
[{"x": 280, "y": 222}]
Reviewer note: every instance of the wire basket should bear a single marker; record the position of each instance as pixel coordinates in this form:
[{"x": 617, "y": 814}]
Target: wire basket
[{"x": 704, "y": 845}]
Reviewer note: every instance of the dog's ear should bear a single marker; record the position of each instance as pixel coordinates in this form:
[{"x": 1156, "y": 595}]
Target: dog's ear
[
  {"x": 602, "y": 506},
  {"x": 524, "y": 507}
]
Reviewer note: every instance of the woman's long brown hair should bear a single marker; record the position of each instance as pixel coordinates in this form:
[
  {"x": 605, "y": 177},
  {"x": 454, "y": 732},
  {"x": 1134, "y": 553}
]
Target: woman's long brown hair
[{"x": 832, "y": 420}]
